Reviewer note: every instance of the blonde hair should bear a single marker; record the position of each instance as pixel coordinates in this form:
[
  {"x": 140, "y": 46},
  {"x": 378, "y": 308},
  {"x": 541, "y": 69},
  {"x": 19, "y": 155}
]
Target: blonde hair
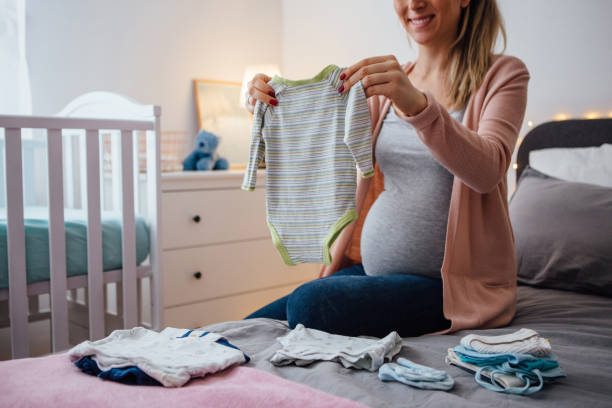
[{"x": 479, "y": 25}]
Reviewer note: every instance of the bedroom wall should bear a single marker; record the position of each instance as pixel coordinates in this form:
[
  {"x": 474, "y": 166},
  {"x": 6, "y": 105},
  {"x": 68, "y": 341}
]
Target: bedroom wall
[
  {"x": 150, "y": 50},
  {"x": 563, "y": 43}
]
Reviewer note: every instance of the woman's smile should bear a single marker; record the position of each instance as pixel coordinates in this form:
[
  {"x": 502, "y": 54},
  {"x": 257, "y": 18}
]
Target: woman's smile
[{"x": 421, "y": 22}]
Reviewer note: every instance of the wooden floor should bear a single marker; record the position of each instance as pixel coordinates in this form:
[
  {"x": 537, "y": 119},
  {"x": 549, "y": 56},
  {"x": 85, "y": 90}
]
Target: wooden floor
[{"x": 40, "y": 334}]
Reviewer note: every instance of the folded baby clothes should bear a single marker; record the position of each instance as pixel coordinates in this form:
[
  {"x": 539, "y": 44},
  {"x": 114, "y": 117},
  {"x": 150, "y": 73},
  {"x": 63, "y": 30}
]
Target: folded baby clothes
[
  {"x": 493, "y": 370},
  {"x": 171, "y": 357},
  {"x": 303, "y": 346},
  {"x": 522, "y": 361},
  {"x": 415, "y": 375},
  {"x": 504, "y": 380},
  {"x": 131, "y": 375},
  {"x": 522, "y": 341}
]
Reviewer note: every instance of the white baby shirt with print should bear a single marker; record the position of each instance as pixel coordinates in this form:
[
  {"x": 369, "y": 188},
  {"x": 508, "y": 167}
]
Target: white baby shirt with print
[{"x": 303, "y": 346}]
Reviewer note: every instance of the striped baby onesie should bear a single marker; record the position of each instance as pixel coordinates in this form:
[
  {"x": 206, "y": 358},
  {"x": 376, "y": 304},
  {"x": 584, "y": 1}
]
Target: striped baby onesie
[{"x": 311, "y": 141}]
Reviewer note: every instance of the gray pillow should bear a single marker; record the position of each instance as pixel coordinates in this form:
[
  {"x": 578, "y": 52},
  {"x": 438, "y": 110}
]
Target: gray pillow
[{"x": 563, "y": 233}]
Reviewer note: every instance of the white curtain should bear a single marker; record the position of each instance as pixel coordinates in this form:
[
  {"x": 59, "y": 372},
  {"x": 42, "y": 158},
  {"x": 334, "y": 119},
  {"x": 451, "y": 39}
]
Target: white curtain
[{"x": 15, "y": 93}]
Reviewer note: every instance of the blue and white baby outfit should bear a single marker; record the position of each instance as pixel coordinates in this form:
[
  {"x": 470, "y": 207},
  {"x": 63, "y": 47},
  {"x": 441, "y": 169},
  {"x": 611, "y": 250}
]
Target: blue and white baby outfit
[{"x": 171, "y": 357}]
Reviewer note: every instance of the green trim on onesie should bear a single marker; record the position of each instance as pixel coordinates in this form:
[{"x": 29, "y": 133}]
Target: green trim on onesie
[
  {"x": 336, "y": 229},
  {"x": 317, "y": 78},
  {"x": 247, "y": 188},
  {"x": 279, "y": 245},
  {"x": 367, "y": 174}
]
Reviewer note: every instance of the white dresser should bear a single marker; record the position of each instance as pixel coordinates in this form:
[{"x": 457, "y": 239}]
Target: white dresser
[{"x": 219, "y": 262}]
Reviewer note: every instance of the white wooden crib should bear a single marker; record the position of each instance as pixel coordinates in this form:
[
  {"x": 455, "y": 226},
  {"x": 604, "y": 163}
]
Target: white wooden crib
[{"x": 78, "y": 133}]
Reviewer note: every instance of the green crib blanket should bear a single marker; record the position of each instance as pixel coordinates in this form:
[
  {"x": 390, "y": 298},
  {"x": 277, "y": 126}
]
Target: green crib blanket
[{"x": 37, "y": 247}]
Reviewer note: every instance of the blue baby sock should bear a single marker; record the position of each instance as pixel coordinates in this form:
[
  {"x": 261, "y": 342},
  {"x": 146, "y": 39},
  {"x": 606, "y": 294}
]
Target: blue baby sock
[{"x": 415, "y": 375}]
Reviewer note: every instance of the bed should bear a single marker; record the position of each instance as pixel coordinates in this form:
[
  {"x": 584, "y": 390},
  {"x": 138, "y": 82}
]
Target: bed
[
  {"x": 90, "y": 174},
  {"x": 578, "y": 324}
]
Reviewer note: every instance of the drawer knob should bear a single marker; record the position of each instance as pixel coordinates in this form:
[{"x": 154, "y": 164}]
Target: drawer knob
[
  {"x": 197, "y": 275},
  {"x": 196, "y": 218}
]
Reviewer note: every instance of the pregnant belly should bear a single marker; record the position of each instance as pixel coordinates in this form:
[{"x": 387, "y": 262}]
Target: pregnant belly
[{"x": 400, "y": 236}]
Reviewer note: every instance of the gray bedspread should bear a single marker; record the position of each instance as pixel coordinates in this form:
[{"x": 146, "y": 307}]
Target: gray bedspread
[{"x": 578, "y": 325}]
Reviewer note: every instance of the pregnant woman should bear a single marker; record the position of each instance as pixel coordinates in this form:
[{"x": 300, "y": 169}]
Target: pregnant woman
[{"x": 432, "y": 249}]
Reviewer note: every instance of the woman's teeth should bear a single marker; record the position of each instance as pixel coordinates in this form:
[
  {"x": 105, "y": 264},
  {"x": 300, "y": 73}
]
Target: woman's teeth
[{"x": 421, "y": 21}]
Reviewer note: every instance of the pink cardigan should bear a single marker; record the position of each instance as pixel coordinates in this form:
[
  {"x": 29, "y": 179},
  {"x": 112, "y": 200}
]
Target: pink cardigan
[{"x": 479, "y": 267}]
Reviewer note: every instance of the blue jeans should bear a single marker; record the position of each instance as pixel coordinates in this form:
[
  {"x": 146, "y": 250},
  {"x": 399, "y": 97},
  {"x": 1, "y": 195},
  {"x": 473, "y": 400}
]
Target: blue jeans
[{"x": 351, "y": 303}]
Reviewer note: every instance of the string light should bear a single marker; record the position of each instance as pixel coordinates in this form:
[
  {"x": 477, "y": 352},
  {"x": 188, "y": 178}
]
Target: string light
[
  {"x": 592, "y": 115},
  {"x": 530, "y": 122},
  {"x": 565, "y": 116},
  {"x": 515, "y": 166}
]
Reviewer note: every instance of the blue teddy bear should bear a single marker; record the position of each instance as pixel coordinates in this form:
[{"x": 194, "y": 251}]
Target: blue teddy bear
[{"x": 203, "y": 157}]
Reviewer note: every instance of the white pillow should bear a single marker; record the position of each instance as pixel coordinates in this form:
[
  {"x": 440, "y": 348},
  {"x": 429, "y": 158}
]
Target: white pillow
[{"x": 591, "y": 165}]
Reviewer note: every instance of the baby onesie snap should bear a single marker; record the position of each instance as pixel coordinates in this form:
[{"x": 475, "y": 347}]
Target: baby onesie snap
[
  {"x": 312, "y": 141},
  {"x": 303, "y": 346},
  {"x": 171, "y": 357}
]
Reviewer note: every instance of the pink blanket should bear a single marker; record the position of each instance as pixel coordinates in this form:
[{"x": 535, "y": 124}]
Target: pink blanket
[{"x": 54, "y": 381}]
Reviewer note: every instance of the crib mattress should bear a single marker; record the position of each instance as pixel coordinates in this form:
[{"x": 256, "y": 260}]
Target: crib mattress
[{"x": 37, "y": 246}]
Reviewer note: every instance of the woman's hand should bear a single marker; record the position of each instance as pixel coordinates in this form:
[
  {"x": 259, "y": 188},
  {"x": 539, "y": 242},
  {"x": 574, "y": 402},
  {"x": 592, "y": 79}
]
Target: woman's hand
[
  {"x": 337, "y": 255},
  {"x": 385, "y": 76},
  {"x": 327, "y": 270},
  {"x": 259, "y": 90},
  {"x": 337, "y": 252}
]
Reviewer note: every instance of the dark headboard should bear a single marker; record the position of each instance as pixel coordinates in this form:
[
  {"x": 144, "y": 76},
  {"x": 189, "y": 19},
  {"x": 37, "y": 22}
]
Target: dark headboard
[{"x": 566, "y": 133}]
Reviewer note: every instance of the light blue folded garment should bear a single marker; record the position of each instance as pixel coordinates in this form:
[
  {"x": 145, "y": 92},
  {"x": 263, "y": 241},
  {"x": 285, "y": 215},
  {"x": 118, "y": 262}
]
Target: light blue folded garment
[
  {"x": 516, "y": 360},
  {"x": 531, "y": 370},
  {"x": 534, "y": 380},
  {"x": 415, "y": 375}
]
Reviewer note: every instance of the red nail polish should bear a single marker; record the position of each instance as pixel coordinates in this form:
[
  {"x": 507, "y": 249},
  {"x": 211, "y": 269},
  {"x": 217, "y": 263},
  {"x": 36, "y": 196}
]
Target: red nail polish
[
  {"x": 341, "y": 89},
  {"x": 271, "y": 93},
  {"x": 342, "y": 76},
  {"x": 273, "y": 102}
]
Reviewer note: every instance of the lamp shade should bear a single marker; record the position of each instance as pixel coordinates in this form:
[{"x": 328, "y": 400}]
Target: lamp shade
[{"x": 249, "y": 73}]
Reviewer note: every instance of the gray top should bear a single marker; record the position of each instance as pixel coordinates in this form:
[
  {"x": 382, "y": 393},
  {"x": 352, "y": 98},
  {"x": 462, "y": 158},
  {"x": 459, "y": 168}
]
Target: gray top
[{"x": 405, "y": 229}]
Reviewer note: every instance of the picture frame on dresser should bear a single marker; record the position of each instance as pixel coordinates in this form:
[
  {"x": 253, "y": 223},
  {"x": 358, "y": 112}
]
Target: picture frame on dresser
[{"x": 220, "y": 112}]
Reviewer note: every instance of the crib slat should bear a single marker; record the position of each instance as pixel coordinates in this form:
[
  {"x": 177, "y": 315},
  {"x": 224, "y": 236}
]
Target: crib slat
[
  {"x": 57, "y": 242},
  {"x": 103, "y": 191},
  {"x": 136, "y": 173},
  {"x": 94, "y": 237},
  {"x": 69, "y": 176},
  {"x": 16, "y": 245},
  {"x": 154, "y": 215},
  {"x": 116, "y": 172},
  {"x": 81, "y": 146},
  {"x": 130, "y": 315}
]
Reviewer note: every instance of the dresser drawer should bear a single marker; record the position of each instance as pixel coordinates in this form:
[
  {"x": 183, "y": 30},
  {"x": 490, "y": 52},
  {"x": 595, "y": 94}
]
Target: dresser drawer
[
  {"x": 192, "y": 218},
  {"x": 224, "y": 309},
  {"x": 196, "y": 274}
]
